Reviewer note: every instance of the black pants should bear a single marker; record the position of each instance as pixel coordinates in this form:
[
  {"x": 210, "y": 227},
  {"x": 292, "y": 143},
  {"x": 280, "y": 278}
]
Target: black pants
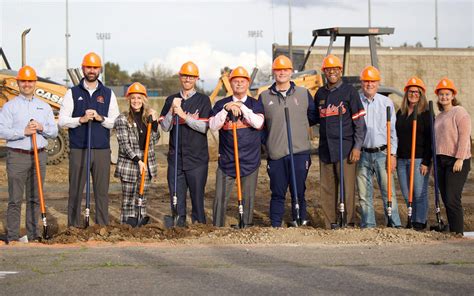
[
  {"x": 194, "y": 179},
  {"x": 450, "y": 187}
]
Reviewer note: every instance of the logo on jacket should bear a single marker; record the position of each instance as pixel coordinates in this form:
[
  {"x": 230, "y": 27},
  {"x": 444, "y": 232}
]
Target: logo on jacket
[
  {"x": 80, "y": 99},
  {"x": 271, "y": 103},
  {"x": 331, "y": 110},
  {"x": 296, "y": 101},
  {"x": 100, "y": 99}
]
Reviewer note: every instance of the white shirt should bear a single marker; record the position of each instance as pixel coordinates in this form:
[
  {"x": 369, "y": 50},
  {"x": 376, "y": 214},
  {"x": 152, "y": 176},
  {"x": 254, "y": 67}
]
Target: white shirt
[
  {"x": 67, "y": 107},
  {"x": 255, "y": 120}
]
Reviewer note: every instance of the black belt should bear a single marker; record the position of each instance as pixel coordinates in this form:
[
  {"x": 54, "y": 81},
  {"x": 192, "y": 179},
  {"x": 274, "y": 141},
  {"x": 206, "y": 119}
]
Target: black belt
[
  {"x": 374, "y": 150},
  {"x": 29, "y": 152}
]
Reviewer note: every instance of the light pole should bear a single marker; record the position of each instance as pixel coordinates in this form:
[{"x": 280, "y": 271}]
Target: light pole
[
  {"x": 67, "y": 35},
  {"x": 290, "y": 33},
  {"x": 370, "y": 15},
  {"x": 103, "y": 37},
  {"x": 436, "y": 24},
  {"x": 256, "y": 34}
]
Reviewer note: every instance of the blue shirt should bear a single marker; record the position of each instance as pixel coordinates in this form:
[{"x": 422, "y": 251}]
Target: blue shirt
[
  {"x": 15, "y": 116},
  {"x": 376, "y": 122}
]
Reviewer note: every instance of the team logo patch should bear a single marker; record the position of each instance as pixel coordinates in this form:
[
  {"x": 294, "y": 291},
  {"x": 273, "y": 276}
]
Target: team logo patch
[
  {"x": 271, "y": 103},
  {"x": 80, "y": 99},
  {"x": 100, "y": 99},
  {"x": 296, "y": 101}
]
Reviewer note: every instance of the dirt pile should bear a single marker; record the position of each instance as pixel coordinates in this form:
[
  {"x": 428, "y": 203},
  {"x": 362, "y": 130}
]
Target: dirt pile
[{"x": 207, "y": 234}]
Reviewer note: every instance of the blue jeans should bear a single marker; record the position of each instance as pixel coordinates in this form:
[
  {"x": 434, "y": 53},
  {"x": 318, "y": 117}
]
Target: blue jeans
[
  {"x": 420, "y": 188},
  {"x": 371, "y": 164}
]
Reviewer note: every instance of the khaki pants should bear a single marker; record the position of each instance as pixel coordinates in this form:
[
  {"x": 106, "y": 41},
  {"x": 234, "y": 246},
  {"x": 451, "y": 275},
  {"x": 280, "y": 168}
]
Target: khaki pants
[{"x": 330, "y": 191}]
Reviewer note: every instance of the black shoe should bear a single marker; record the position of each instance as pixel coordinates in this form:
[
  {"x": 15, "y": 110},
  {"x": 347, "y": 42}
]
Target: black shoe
[{"x": 419, "y": 226}]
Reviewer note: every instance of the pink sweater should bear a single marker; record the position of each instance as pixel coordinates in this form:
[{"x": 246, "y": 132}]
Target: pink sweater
[{"x": 453, "y": 133}]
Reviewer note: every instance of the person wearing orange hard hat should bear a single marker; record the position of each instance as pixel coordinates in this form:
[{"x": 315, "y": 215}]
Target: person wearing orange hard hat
[
  {"x": 334, "y": 94},
  {"x": 283, "y": 95},
  {"x": 20, "y": 118},
  {"x": 131, "y": 127},
  {"x": 92, "y": 101},
  {"x": 453, "y": 151},
  {"x": 248, "y": 112},
  {"x": 190, "y": 110},
  {"x": 373, "y": 156},
  {"x": 415, "y": 96}
]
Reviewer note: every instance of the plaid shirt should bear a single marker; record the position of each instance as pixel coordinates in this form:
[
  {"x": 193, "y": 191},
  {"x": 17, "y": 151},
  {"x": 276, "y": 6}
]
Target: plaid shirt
[{"x": 127, "y": 135}]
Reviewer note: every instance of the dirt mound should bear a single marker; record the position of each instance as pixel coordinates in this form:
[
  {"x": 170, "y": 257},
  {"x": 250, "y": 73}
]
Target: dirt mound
[{"x": 207, "y": 234}]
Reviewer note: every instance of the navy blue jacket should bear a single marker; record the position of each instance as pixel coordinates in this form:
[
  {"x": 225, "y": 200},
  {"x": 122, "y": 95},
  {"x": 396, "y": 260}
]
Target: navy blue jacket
[{"x": 99, "y": 101}]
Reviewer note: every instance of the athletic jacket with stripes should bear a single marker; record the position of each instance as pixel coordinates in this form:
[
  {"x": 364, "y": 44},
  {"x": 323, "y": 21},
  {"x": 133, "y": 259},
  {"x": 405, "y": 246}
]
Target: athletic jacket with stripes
[{"x": 353, "y": 124}]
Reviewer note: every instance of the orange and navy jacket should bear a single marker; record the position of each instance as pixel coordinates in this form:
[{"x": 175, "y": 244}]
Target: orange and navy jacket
[
  {"x": 193, "y": 148},
  {"x": 248, "y": 138},
  {"x": 353, "y": 124}
]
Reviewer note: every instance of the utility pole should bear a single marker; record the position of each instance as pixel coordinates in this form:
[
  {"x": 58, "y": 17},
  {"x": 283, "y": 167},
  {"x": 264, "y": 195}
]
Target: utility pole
[
  {"x": 370, "y": 15},
  {"x": 255, "y": 34},
  {"x": 436, "y": 24},
  {"x": 290, "y": 34},
  {"x": 67, "y": 35},
  {"x": 103, "y": 37}
]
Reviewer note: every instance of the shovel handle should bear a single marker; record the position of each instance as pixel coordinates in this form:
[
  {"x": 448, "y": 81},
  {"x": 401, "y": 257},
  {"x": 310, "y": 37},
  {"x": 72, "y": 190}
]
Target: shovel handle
[
  {"x": 236, "y": 156},
  {"x": 145, "y": 156},
  {"x": 412, "y": 156},
  {"x": 433, "y": 149},
  {"x": 389, "y": 156},
  {"x": 38, "y": 173}
]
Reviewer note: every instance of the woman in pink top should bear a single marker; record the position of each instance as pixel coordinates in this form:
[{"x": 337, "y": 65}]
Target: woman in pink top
[{"x": 453, "y": 151}]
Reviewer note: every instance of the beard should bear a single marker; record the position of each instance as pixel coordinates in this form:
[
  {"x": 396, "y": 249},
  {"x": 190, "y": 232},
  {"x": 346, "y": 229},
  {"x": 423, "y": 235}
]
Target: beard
[{"x": 91, "y": 77}]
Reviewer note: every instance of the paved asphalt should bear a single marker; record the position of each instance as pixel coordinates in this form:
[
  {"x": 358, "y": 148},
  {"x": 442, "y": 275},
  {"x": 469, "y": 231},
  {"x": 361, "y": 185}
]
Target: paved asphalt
[{"x": 429, "y": 269}]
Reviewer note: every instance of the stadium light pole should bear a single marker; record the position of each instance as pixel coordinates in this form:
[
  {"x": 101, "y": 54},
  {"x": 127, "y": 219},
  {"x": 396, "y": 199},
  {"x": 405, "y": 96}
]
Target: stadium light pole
[
  {"x": 256, "y": 34},
  {"x": 103, "y": 36}
]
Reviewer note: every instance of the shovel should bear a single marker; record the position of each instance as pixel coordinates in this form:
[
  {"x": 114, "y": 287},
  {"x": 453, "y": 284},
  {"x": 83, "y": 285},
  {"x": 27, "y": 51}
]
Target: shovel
[
  {"x": 297, "y": 222},
  {"x": 172, "y": 221},
  {"x": 237, "y": 172},
  {"x": 139, "y": 220},
  {"x": 389, "y": 171},
  {"x": 412, "y": 166},
  {"x": 88, "y": 174},
  {"x": 440, "y": 226},
  {"x": 341, "y": 219},
  {"x": 40, "y": 187}
]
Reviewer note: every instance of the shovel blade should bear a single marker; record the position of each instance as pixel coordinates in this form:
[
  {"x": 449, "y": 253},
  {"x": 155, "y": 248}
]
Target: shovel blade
[
  {"x": 46, "y": 235},
  {"x": 440, "y": 227},
  {"x": 171, "y": 221}
]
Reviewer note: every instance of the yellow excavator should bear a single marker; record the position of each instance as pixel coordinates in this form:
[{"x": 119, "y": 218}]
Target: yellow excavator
[{"x": 49, "y": 91}]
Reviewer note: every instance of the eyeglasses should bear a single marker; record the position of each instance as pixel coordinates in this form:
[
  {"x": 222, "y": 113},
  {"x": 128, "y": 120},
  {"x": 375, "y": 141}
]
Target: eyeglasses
[
  {"x": 186, "y": 77},
  {"x": 414, "y": 92}
]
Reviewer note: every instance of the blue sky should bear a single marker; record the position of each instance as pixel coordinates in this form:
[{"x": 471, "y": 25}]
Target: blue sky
[{"x": 213, "y": 33}]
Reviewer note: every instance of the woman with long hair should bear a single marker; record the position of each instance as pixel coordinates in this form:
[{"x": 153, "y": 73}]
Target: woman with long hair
[
  {"x": 131, "y": 127},
  {"x": 414, "y": 96},
  {"x": 453, "y": 151}
]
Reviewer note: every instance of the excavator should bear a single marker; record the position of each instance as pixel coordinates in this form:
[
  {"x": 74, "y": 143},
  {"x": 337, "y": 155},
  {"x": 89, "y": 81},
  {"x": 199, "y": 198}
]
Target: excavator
[
  {"x": 311, "y": 79},
  {"x": 49, "y": 91}
]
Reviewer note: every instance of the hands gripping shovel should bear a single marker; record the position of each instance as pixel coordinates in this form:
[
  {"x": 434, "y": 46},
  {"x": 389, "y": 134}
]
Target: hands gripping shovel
[
  {"x": 341, "y": 223},
  {"x": 237, "y": 172},
  {"x": 40, "y": 187},
  {"x": 389, "y": 171},
  {"x": 171, "y": 221},
  {"x": 139, "y": 220},
  {"x": 440, "y": 226}
]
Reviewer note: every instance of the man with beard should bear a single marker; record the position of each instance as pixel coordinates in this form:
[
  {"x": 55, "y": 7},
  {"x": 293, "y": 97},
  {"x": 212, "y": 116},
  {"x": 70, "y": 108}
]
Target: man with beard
[
  {"x": 88, "y": 101},
  {"x": 328, "y": 99},
  {"x": 193, "y": 110}
]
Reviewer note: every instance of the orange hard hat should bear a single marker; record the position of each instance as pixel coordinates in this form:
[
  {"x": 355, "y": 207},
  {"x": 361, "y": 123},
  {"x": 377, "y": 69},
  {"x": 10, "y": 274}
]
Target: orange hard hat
[
  {"x": 239, "y": 72},
  {"x": 27, "y": 73},
  {"x": 282, "y": 62},
  {"x": 415, "y": 81},
  {"x": 189, "y": 69},
  {"x": 136, "y": 88},
  {"x": 91, "y": 60},
  {"x": 446, "y": 83},
  {"x": 370, "y": 73},
  {"x": 331, "y": 61}
]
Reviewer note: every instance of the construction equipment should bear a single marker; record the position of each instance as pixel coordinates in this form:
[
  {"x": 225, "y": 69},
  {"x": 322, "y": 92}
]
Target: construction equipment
[
  {"x": 139, "y": 220},
  {"x": 389, "y": 170},
  {"x": 440, "y": 226},
  {"x": 237, "y": 172},
  {"x": 49, "y": 91},
  {"x": 40, "y": 187},
  {"x": 172, "y": 221},
  {"x": 341, "y": 219},
  {"x": 412, "y": 167}
]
